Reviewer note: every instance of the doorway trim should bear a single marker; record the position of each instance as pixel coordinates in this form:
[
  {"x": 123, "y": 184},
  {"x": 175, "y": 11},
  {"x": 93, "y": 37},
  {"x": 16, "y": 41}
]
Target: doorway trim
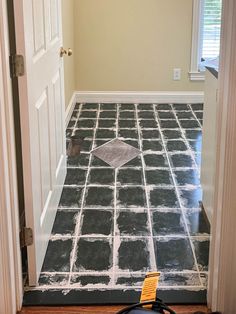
[
  {"x": 11, "y": 291},
  {"x": 222, "y": 281}
]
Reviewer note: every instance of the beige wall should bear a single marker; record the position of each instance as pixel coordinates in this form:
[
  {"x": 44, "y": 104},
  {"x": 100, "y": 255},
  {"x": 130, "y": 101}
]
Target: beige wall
[
  {"x": 133, "y": 45},
  {"x": 68, "y": 7}
]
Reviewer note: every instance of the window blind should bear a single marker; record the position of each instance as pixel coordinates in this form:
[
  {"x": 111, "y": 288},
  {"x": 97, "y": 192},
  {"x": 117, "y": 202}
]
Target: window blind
[{"x": 211, "y": 26}]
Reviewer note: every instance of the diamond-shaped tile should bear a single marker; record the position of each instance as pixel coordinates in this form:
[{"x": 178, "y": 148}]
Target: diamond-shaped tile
[{"x": 116, "y": 153}]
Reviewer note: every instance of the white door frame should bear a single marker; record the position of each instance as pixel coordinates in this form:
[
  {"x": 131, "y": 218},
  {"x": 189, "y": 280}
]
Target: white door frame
[
  {"x": 11, "y": 291},
  {"x": 222, "y": 282}
]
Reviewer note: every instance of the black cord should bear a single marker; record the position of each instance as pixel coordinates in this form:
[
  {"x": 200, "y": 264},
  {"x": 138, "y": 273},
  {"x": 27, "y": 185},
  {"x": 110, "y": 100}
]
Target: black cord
[{"x": 158, "y": 303}]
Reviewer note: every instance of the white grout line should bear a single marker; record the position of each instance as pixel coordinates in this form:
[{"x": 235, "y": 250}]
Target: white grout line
[
  {"x": 77, "y": 228},
  {"x": 177, "y": 191},
  {"x": 193, "y": 112},
  {"x": 153, "y": 263}
]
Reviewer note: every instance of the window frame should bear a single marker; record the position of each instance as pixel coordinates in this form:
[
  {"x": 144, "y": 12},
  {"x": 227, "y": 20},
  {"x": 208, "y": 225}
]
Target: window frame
[{"x": 195, "y": 74}]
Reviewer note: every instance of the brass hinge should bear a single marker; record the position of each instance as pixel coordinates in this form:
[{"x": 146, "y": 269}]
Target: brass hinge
[
  {"x": 17, "y": 65},
  {"x": 26, "y": 237}
]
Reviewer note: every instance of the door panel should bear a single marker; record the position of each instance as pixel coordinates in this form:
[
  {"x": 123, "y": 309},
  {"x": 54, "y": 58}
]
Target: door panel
[{"x": 42, "y": 107}]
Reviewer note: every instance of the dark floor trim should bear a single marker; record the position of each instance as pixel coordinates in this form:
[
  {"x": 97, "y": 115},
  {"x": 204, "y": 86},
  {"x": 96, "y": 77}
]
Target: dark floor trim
[{"x": 78, "y": 297}]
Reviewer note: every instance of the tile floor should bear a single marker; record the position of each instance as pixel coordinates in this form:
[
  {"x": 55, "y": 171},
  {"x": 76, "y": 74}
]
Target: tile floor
[{"x": 115, "y": 224}]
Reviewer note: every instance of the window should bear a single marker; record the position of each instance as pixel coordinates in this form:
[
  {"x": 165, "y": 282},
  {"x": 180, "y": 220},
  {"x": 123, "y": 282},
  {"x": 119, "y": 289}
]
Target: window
[{"x": 205, "y": 35}]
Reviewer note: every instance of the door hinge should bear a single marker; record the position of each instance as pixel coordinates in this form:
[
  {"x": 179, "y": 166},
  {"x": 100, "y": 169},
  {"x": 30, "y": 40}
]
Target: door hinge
[
  {"x": 17, "y": 65},
  {"x": 26, "y": 237}
]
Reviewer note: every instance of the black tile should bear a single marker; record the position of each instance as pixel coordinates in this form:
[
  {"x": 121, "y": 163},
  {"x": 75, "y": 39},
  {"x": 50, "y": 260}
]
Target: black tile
[
  {"x": 163, "y": 198},
  {"x": 166, "y": 115},
  {"x": 181, "y": 160},
  {"x": 65, "y": 222},
  {"x": 172, "y": 134},
  {"x": 151, "y": 134},
  {"x": 77, "y": 106},
  {"x": 202, "y": 253},
  {"x": 191, "y": 198},
  {"x": 53, "y": 280},
  {"x": 74, "y": 115},
  {"x": 79, "y": 161},
  {"x": 153, "y": 160},
  {"x": 101, "y": 176},
  {"x": 169, "y": 124},
  {"x": 199, "y": 114},
  {"x": 136, "y": 162},
  {"x": 196, "y": 145},
  {"x": 175, "y": 145},
  {"x": 131, "y": 196},
  {"x": 132, "y": 143},
  {"x": 145, "y": 107},
  {"x": 84, "y": 133},
  {"x": 71, "y": 197},
  {"x": 108, "y": 114},
  {"x": 193, "y": 134},
  {"x": 108, "y": 106},
  {"x": 128, "y": 133},
  {"x": 97, "y": 162},
  {"x": 100, "y": 142},
  {"x": 90, "y": 106},
  {"x": 148, "y": 124},
  {"x": 168, "y": 223},
  {"x": 197, "y": 222},
  {"x": 130, "y": 281},
  {"x": 174, "y": 254},
  {"x": 186, "y": 177},
  {"x": 105, "y": 133},
  {"x": 89, "y": 280},
  {"x": 185, "y": 115},
  {"x": 133, "y": 255},
  {"x": 69, "y": 133},
  {"x": 71, "y": 124},
  {"x": 189, "y": 124},
  {"x": 152, "y": 145},
  {"x": 127, "y": 115},
  {"x": 197, "y": 107},
  {"x": 133, "y": 223},
  {"x": 100, "y": 196},
  {"x": 179, "y": 279},
  {"x": 75, "y": 176},
  {"x": 130, "y": 177},
  {"x": 163, "y": 107},
  {"x": 127, "y": 107},
  {"x": 93, "y": 254},
  {"x": 178, "y": 107},
  {"x": 86, "y": 146},
  {"x": 86, "y": 123},
  {"x": 88, "y": 114},
  {"x": 127, "y": 124},
  {"x": 97, "y": 222},
  {"x": 146, "y": 115},
  {"x": 57, "y": 257},
  {"x": 107, "y": 123},
  {"x": 158, "y": 177}
]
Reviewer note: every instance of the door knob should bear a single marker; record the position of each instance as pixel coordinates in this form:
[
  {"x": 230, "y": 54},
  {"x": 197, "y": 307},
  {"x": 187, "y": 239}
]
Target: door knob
[
  {"x": 70, "y": 52},
  {"x": 63, "y": 52}
]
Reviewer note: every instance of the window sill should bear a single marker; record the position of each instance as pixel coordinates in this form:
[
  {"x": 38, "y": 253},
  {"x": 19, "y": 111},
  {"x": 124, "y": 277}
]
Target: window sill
[{"x": 197, "y": 76}]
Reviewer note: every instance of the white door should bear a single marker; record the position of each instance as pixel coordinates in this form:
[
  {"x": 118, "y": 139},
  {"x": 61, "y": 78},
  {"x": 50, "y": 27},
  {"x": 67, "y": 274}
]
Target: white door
[{"x": 39, "y": 38}]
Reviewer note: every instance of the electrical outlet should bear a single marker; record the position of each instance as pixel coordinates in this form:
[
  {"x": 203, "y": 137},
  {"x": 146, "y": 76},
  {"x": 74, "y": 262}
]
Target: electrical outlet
[{"x": 177, "y": 74}]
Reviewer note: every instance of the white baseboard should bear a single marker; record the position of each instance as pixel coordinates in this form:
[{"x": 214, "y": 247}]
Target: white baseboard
[
  {"x": 70, "y": 108},
  {"x": 140, "y": 97}
]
